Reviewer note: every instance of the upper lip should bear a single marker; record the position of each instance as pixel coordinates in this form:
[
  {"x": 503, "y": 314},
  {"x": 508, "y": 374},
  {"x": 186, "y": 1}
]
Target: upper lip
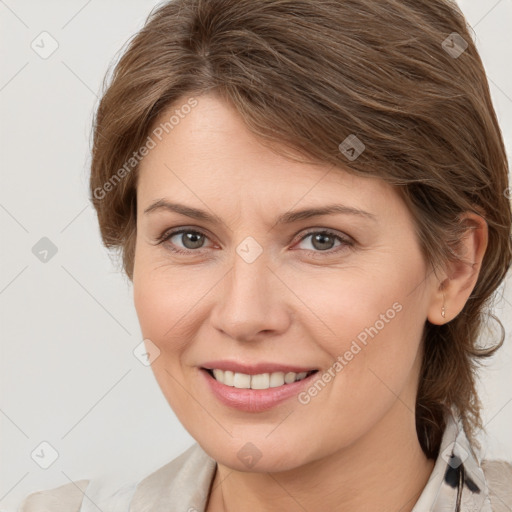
[{"x": 254, "y": 368}]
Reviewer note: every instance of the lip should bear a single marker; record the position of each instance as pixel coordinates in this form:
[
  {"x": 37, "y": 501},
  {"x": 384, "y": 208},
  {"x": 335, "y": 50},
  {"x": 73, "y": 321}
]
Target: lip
[
  {"x": 255, "y": 400},
  {"x": 254, "y": 369}
]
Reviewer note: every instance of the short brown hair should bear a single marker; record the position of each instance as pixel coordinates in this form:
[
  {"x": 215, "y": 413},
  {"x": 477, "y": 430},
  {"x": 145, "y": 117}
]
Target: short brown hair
[{"x": 307, "y": 74}]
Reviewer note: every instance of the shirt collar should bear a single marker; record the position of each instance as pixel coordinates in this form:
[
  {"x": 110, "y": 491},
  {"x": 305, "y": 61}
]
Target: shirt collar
[{"x": 458, "y": 465}]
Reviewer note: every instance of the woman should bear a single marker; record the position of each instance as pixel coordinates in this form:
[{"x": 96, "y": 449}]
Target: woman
[{"x": 310, "y": 198}]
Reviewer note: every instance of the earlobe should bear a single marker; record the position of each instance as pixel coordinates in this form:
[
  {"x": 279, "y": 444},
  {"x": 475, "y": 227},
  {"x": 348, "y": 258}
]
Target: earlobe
[
  {"x": 460, "y": 278},
  {"x": 439, "y": 313}
]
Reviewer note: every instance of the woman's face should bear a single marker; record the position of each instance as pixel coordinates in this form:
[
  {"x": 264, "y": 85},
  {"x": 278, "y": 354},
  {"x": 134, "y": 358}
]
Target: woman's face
[{"x": 258, "y": 290}]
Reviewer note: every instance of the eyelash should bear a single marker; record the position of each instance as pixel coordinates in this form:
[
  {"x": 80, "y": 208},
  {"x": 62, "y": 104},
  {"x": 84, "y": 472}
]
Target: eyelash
[{"x": 345, "y": 241}]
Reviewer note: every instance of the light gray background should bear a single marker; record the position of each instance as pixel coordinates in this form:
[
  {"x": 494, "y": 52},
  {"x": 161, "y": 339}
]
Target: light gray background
[{"x": 68, "y": 326}]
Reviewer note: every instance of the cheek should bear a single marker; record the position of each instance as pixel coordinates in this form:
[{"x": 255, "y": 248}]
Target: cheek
[
  {"x": 161, "y": 310},
  {"x": 370, "y": 323},
  {"x": 165, "y": 298},
  {"x": 375, "y": 375},
  {"x": 349, "y": 305}
]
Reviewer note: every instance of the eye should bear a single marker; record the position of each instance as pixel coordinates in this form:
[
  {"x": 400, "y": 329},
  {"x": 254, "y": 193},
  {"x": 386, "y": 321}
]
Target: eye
[
  {"x": 191, "y": 239},
  {"x": 324, "y": 240}
]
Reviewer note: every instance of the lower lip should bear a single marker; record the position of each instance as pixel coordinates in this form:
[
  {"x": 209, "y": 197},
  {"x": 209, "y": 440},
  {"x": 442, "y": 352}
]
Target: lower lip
[{"x": 255, "y": 400}]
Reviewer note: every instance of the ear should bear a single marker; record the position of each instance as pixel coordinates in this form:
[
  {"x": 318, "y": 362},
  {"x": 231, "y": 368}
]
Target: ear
[{"x": 460, "y": 277}]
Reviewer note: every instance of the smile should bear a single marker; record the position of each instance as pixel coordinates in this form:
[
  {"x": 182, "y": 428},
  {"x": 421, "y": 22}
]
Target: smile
[
  {"x": 258, "y": 381},
  {"x": 255, "y": 392}
]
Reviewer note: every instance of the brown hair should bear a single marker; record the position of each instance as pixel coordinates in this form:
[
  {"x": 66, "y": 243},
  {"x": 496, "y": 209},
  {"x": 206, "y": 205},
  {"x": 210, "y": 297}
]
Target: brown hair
[{"x": 307, "y": 74}]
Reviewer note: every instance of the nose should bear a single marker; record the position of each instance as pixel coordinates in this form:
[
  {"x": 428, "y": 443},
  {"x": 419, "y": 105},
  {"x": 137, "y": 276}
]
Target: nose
[{"x": 251, "y": 301}]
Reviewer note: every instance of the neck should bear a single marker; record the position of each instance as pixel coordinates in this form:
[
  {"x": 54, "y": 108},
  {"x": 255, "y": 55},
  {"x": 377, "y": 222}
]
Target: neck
[{"x": 368, "y": 475}]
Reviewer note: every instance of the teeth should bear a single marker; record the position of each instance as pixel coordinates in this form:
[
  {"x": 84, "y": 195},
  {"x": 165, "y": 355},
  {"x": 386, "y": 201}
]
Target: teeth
[
  {"x": 229, "y": 377},
  {"x": 259, "y": 381},
  {"x": 276, "y": 379},
  {"x": 290, "y": 377},
  {"x": 242, "y": 381}
]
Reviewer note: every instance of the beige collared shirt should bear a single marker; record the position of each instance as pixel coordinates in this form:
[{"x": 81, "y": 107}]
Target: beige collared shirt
[{"x": 183, "y": 485}]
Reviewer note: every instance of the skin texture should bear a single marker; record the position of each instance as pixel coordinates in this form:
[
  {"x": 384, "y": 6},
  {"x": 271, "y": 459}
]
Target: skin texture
[{"x": 354, "y": 445}]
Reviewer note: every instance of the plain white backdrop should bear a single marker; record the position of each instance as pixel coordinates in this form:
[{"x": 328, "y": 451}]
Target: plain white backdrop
[{"x": 68, "y": 327}]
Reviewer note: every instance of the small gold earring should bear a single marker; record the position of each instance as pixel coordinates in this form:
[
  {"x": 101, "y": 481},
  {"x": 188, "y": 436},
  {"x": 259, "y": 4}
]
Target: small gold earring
[{"x": 443, "y": 312}]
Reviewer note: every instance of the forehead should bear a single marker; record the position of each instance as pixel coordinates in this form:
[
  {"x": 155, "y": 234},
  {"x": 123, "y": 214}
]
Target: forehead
[{"x": 210, "y": 153}]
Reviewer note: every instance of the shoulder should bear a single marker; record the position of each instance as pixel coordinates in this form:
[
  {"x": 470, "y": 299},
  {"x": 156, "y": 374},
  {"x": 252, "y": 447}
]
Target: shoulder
[
  {"x": 66, "y": 498},
  {"x": 498, "y": 474},
  {"x": 184, "y": 482},
  {"x": 186, "y": 477}
]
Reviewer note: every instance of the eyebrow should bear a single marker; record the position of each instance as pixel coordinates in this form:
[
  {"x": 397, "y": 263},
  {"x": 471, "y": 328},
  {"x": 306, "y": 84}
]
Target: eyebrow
[{"x": 285, "y": 218}]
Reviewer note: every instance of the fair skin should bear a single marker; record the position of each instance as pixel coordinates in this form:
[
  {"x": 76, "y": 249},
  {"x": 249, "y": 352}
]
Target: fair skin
[{"x": 353, "y": 446}]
